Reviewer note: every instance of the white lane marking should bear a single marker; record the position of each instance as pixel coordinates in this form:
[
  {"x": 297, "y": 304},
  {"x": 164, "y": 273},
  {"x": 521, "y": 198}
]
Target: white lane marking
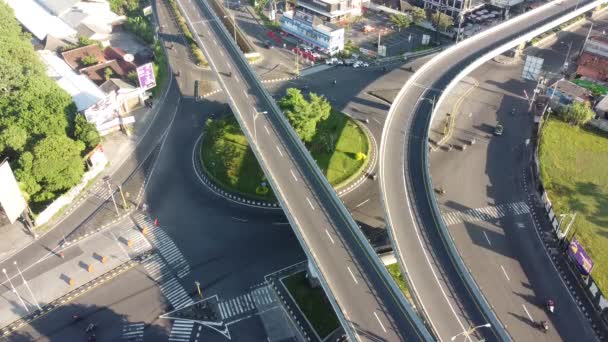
[
  {"x": 236, "y": 78},
  {"x": 293, "y": 175},
  {"x": 310, "y": 203},
  {"x": 278, "y": 149},
  {"x": 246, "y": 95},
  {"x": 378, "y": 318},
  {"x": 222, "y": 53},
  {"x": 230, "y": 67},
  {"x": 527, "y": 313},
  {"x": 214, "y": 41},
  {"x": 487, "y": 238},
  {"x": 239, "y": 219},
  {"x": 362, "y": 203},
  {"x": 505, "y": 272},
  {"x": 267, "y": 131},
  {"x": 329, "y": 236},
  {"x": 353, "y": 275}
]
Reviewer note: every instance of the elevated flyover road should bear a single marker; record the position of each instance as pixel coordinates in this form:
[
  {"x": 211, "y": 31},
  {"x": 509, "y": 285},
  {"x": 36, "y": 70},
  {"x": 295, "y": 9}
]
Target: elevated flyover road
[
  {"x": 449, "y": 298},
  {"x": 366, "y": 299}
]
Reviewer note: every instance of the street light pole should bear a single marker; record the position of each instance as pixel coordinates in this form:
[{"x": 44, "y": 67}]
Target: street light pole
[
  {"x": 124, "y": 201},
  {"x": 15, "y": 290},
  {"x": 27, "y": 285},
  {"x": 198, "y": 288},
  {"x": 107, "y": 180},
  {"x": 472, "y": 330}
]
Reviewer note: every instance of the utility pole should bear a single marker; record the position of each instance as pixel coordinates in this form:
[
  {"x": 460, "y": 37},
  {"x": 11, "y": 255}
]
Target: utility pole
[
  {"x": 198, "y": 288},
  {"x": 460, "y": 20},
  {"x": 586, "y": 38},
  {"x": 124, "y": 201},
  {"x": 297, "y": 65},
  {"x": 107, "y": 180}
]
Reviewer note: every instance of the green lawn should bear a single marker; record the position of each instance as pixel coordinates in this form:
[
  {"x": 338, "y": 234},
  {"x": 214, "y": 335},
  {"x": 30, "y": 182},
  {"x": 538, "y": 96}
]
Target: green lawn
[
  {"x": 395, "y": 272},
  {"x": 229, "y": 161},
  {"x": 313, "y": 303},
  {"x": 574, "y": 169}
]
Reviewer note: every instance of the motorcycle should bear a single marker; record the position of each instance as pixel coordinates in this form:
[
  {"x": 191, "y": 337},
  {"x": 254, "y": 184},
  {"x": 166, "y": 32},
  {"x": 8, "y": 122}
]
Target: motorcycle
[{"x": 543, "y": 326}]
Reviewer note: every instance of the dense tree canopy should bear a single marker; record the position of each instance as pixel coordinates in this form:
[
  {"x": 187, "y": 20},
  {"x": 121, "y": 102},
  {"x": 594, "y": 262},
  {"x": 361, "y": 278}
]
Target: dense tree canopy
[
  {"x": 36, "y": 118},
  {"x": 400, "y": 20},
  {"x": 578, "y": 113},
  {"x": 304, "y": 115}
]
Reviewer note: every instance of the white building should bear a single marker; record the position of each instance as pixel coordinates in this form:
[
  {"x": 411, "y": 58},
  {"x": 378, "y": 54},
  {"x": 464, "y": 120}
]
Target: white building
[
  {"x": 99, "y": 108},
  {"x": 324, "y": 35},
  {"x": 332, "y": 11},
  {"x": 40, "y": 22}
]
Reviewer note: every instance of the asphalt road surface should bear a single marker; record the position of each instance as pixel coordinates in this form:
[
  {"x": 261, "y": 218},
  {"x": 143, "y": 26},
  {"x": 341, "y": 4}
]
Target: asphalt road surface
[
  {"x": 433, "y": 275},
  {"x": 359, "y": 283}
]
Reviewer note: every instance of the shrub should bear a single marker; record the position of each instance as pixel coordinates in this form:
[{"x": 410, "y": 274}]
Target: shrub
[{"x": 89, "y": 60}]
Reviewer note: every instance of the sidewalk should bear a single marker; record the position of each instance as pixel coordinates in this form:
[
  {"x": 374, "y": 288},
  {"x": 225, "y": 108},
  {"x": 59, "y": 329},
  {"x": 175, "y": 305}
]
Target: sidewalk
[{"x": 81, "y": 263}]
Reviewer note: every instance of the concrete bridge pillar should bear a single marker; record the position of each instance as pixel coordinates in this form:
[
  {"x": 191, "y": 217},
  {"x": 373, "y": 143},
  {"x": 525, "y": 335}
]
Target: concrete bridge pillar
[{"x": 312, "y": 275}]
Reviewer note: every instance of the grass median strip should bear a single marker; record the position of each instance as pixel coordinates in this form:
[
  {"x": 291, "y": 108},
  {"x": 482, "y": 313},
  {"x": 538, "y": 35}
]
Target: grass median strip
[
  {"x": 395, "y": 272},
  {"x": 313, "y": 303},
  {"x": 573, "y": 165}
]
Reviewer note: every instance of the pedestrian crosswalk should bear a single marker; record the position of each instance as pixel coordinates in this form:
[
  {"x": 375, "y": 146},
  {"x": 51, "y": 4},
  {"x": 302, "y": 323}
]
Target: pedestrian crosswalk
[
  {"x": 257, "y": 299},
  {"x": 169, "y": 251},
  {"x": 169, "y": 286},
  {"x": 485, "y": 213},
  {"x": 133, "y": 332},
  {"x": 181, "y": 331},
  {"x": 100, "y": 190},
  {"x": 126, "y": 232}
]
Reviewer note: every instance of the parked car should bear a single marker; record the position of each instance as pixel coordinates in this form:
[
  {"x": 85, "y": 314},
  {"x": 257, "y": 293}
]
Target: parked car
[
  {"x": 331, "y": 61},
  {"x": 267, "y": 44},
  {"x": 360, "y": 64},
  {"x": 498, "y": 130}
]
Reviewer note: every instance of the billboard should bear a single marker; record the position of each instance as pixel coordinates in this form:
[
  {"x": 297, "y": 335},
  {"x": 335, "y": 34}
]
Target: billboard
[
  {"x": 532, "y": 68},
  {"x": 581, "y": 259},
  {"x": 11, "y": 198},
  {"x": 145, "y": 75}
]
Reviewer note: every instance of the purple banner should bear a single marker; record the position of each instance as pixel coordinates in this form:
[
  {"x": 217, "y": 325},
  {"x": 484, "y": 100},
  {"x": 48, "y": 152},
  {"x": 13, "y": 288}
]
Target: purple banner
[
  {"x": 145, "y": 74},
  {"x": 581, "y": 258}
]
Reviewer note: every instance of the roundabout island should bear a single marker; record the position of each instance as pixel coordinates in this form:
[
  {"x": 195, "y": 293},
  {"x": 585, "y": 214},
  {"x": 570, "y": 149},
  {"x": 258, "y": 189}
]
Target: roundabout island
[{"x": 338, "y": 143}]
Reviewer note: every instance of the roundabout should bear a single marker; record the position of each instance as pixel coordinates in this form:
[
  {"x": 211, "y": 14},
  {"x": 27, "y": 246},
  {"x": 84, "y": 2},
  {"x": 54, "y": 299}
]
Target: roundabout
[{"x": 344, "y": 151}]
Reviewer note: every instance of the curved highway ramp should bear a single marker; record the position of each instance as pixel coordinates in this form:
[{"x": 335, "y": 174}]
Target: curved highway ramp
[{"x": 443, "y": 287}]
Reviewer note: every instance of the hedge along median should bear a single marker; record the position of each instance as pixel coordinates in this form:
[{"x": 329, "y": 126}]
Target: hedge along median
[
  {"x": 340, "y": 149},
  {"x": 196, "y": 51}
]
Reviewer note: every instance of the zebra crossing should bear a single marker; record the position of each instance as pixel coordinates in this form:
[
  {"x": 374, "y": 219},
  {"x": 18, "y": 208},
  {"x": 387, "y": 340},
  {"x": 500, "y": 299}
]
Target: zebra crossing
[
  {"x": 485, "y": 213},
  {"x": 257, "y": 299},
  {"x": 128, "y": 232},
  {"x": 100, "y": 190},
  {"x": 169, "y": 286},
  {"x": 133, "y": 332},
  {"x": 181, "y": 331},
  {"x": 169, "y": 251}
]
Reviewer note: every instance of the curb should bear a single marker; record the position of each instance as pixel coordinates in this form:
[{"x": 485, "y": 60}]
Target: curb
[
  {"x": 77, "y": 292},
  {"x": 273, "y": 80},
  {"x": 348, "y": 188},
  {"x": 201, "y": 175}
]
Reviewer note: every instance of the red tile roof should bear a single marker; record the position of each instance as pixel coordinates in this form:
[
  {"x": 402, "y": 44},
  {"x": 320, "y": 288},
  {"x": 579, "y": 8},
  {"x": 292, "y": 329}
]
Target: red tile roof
[
  {"x": 593, "y": 66},
  {"x": 74, "y": 57}
]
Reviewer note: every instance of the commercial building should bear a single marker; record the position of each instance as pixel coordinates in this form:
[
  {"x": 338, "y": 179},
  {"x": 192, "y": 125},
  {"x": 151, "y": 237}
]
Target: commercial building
[
  {"x": 565, "y": 93},
  {"x": 310, "y": 29},
  {"x": 331, "y": 11},
  {"x": 453, "y": 8},
  {"x": 593, "y": 67},
  {"x": 597, "y": 45}
]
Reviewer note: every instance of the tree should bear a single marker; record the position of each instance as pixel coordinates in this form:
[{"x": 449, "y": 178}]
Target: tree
[
  {"x": 303, "y": 115},
  {"x": 86, "y": 41},
  {"x": 401, "y": 21},
  {"x": 108, "y": 73},
  {"x": 88, "y": 60},
  {"x": 86, "y": 132},
  {"x": 578, "y": 113},
  {"x": 56, "y": 165},
  {"x": 33, "y": 108},
  {"x": 418, "y": 15},
  {"x": 442, "y": 20}
]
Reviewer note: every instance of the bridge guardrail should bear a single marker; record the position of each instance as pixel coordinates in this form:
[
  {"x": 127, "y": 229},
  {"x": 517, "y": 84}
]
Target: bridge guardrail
[{"x": 421, "y": 329}]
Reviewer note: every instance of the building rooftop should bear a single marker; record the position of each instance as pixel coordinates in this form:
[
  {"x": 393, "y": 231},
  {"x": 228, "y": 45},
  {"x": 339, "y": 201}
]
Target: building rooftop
[
  {"x": 74, "y": 57},
  {"x": 39, "y": 21},
  {"x": 593, "y": 66},
  {"x": 601, "y": 39},
  {"x": 571, "y": 89},
  {"x": 84, "y": 92},
  {"x": 58, "y": 7},
  {"x": 115, "y": 84}
]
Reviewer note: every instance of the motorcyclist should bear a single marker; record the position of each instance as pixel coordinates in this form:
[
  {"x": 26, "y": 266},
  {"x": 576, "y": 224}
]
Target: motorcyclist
[
  {"x": 544, "y": 326},
  {"x": 90, "y": 328},
  {"x": 551, "y": 305}
]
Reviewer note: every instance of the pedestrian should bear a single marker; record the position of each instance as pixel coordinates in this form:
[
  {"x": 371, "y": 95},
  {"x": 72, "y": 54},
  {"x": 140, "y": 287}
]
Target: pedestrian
[{"x": 62, "y": 255}]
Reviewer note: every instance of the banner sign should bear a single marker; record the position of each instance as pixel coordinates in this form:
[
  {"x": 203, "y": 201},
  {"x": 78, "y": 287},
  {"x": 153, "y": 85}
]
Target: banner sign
[
  {"x": 11, "y": 199},
  {"x": 145, "y": 74},
  {"x": 581, "y": 258}
]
